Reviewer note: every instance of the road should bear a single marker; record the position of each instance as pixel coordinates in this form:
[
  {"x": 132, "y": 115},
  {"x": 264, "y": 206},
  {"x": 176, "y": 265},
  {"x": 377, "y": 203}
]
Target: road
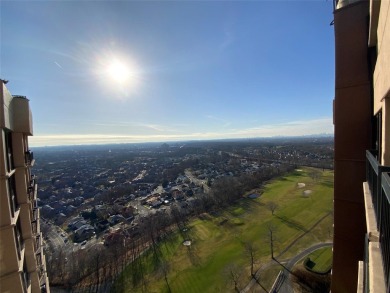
[
  {"x": 53, "y": 235},
  {"x": 197, "y": 181},
  {"x": 282, "y": 283}
]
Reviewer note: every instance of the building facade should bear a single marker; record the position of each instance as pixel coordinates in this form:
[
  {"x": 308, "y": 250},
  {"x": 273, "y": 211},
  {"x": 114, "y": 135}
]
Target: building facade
[
  {"x": 361, "y": 252},
  {"x": 22, "y": 262}
]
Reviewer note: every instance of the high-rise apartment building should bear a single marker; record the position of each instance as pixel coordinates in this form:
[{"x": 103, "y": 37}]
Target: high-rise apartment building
[
  {"x": 22, "y": 262},
  {"x": 361, "y": 252}
]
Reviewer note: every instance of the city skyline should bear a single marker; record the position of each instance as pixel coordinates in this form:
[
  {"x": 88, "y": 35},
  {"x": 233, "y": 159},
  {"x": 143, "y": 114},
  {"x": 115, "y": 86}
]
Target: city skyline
[{"x": 104, "y": 72}]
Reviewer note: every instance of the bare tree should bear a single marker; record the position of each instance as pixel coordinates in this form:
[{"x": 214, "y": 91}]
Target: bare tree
[
  {"x": 233, "y": 273},
  {"x": 165, "y": 270},
  {"x": 251, "y": 252},
  {"x": 272, "y": 206},
  {"x": 271, "y": 237},
  {"x": 306, "y": 281}
]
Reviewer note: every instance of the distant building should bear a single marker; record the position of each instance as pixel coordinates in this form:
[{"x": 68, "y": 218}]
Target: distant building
[
  {"x": 76, "y": 223},
  {"x": 22, "y": 262},
  {"x": 115, "y": 219},
  {"x": 83, "y": 233},
  {"x": 361, "y": 251}
]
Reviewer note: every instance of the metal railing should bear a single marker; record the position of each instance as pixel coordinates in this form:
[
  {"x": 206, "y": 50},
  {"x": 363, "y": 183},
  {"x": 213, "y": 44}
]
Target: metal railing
[
  {"x": 34, "y": 227},
  {"x": 374, "y": 178},
  {"x": 366, "y": 278},
  {"x": 29, "y": 157},
  {"x": 31, "y": 189},
  {"x": 379, "y": 184},
  {"x": 18, "y": 238},
  {"x": 384, "y": 228},
  {"x": 25, "y": 277},
  {"x": 37, "y": 243}
]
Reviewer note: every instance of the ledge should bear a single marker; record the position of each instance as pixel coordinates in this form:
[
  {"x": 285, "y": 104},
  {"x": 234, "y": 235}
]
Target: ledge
[
  {"x": 375, "y": 269},
  {"x": 372, "y": 231},
  {"x": 360, "y": 283}
]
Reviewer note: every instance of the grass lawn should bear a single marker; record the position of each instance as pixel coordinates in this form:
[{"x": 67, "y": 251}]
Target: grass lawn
[
  {"x": 320, "y": 260},
  {"x": 218, "y": 240}
]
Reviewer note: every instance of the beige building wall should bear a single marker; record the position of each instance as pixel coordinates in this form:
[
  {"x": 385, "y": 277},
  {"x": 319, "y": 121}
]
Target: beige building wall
[
  {"x": 22, "y": 262},
  {"x": 382, "y": 74},
  {"x": 386, "y": 131}
]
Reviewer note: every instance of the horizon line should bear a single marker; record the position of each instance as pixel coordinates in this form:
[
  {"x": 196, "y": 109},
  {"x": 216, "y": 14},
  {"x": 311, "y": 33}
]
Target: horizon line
[{"x": 102, "y": 143}]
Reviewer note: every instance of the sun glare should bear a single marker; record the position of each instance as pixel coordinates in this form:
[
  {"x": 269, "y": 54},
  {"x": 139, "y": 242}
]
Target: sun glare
[{"x": 118, "y": 71}]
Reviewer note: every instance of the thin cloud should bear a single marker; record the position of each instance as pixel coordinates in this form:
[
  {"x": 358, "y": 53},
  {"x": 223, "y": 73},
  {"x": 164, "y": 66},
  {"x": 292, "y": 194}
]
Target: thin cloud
[
  {"x": 293, "y": 128},
  {"x": 225, "y": 122},
  {"x": 56, "y": 63},
  {"x": 300, "y": 127},
  {"x": 159, "y": 128}
]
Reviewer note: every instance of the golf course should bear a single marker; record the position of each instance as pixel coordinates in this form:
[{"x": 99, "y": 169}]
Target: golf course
[{"x": 289, "y": 214}]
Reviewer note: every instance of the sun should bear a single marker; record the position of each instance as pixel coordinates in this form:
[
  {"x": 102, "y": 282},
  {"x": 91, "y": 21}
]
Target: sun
[{"x": 118, "y": 71}]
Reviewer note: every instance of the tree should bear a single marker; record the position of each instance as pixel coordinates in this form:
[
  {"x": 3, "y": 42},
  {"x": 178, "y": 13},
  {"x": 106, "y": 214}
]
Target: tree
[
  {"x": 272, "y": 206},
  {"x": 251, "y": 252},
  {"x": 271, "y": 237},
  {"x": 164, "y": 267},
  {"x": 306, "y": 281},
  {"x": 233, "y": 273}
]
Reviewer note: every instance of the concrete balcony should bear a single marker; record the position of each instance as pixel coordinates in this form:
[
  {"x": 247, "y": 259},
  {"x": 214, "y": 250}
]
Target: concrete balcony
[
  {"x": 338, "y": 4},
  {"x": 29, "y": 158},
  {"x": 25, "y": 221},
  {"x": 15, "y": 282},
  {"x": 21, "y": 185},
  {"x": 22, "y": 116},
  {"x": 374, "y": 273},
  {"x": 14, "y": 255},
  {"x": 35, "y": 225}
]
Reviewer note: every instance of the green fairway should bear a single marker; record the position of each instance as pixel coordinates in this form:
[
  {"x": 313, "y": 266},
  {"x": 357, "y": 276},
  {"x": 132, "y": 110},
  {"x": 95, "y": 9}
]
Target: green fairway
[
  {"x": 320, "y": 261},
  {"x": 218, "y": 240}
]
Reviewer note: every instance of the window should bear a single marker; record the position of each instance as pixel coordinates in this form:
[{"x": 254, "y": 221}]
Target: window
[
  {"x": 14, "y": 205},
  {"x": 25, "y": 277},
  {"x": 8, "y": 150},
  {"x": 18, "y": 238}
]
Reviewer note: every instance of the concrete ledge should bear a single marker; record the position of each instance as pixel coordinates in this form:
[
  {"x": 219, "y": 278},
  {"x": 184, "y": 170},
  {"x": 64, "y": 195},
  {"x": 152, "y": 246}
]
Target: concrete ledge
[
  {"x": 360, "y": 283},
  {"x": 372, "y": 232},
  {"x": 375, "y": 269}
]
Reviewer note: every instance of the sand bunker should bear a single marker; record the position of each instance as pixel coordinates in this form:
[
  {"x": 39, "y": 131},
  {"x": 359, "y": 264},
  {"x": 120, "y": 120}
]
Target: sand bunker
[
  {"x": 187, "y": 243},
  {"x": 301, "y": 185}
]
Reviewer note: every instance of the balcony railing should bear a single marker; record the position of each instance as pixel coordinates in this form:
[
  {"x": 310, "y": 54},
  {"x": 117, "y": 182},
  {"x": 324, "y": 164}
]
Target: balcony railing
[
  {"x": 37, "y": 243},
  {"x": 14, "y": 204},
  {"x": 34, "y": 215},
  {"x": 25, "y": 277},
  {"x": 34, "y": 227},
  {"x": 384, "y": 228},
  {"x": 18, "y": 238},
  {"x": 379, "y": 183},
  {"x": 31, "y": 189},
  {"x": 29, "y": 157}
]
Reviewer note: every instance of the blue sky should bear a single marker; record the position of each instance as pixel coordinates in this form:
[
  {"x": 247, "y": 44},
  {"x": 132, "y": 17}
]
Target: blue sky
[{"x": 192, "y": 69}]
